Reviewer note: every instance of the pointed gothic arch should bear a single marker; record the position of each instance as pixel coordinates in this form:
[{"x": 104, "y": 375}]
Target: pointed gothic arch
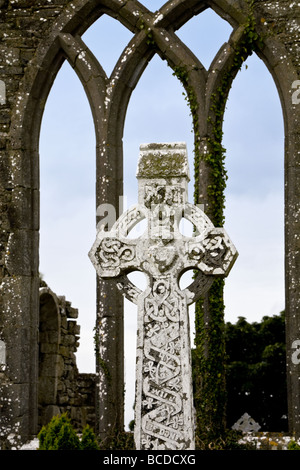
[{"x": 108, "y": 105}]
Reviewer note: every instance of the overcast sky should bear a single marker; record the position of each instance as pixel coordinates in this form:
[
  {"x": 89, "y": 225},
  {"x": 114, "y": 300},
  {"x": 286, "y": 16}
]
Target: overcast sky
[{"x": 157, "y": 112}]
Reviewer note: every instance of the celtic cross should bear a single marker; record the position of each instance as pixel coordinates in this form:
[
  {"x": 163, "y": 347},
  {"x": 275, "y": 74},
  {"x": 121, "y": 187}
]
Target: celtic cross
[{"x": 164, "y": 413}]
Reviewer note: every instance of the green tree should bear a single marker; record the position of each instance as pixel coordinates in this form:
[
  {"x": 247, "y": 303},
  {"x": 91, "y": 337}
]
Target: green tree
[
  {"x": 58, "y": 435},
  {"x": 88, "y": 439},
  {"x": 256, "y": 372}
]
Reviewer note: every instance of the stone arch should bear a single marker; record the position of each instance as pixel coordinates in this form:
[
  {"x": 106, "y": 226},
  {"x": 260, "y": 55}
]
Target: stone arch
[
  {"x": 284, "y": 74},
  {"x": 62, "y": 39},
  {"x": 49, "y": 358}
]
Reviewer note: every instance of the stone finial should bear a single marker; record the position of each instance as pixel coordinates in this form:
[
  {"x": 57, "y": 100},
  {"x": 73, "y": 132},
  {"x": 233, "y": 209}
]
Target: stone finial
[{"x": 163, "y": 160}]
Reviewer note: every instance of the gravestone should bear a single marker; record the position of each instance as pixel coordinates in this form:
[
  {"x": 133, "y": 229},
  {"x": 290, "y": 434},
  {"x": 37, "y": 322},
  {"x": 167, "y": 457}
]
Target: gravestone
[
  {"x": 246, "y": 424},
  {"x": 164, "y": 413}
]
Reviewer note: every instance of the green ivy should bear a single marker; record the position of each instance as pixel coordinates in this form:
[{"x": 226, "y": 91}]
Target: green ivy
[
  {"x": 208, "y": 364},
  {"x": 149, "y": 35},
  {"x": 215, "y": 157},
  {"x": 210, "y": 396},
  {"x": 209, "y": 354},
  {"x": 181, "y": 72}
]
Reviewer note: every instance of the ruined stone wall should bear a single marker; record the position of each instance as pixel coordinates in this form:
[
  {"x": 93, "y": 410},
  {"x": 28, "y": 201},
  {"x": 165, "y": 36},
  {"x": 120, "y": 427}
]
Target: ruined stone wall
[
  {"x": 36, "y": 36},
  {"x": 61, "y": 387},
  {"x": 23, "y": 25}
]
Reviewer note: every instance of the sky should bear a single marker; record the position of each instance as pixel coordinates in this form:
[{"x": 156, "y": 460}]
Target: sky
[{"x": 158, "y": 112}]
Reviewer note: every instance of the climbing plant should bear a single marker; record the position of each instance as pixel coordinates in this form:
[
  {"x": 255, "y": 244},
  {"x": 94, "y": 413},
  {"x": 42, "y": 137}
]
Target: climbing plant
[
  {"x": 209, "y": 362},
  {"x": 209, "y": 353}
]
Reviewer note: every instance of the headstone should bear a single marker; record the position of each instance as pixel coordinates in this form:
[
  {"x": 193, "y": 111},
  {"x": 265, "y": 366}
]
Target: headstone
[
  {"x": 164, "y": 413},
  {"x": 246, "y": 424}
]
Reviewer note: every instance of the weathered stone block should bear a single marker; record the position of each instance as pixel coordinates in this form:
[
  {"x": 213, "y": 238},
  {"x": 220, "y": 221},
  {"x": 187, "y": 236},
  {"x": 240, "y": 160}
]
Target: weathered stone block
[
  {"x": 23, "y": 166},
  {"x": 24, "y": 209},
  {"x": 47, "y": 348},
  {"x": 72, "y": 312},
  {"x": 20, "y": 256}
]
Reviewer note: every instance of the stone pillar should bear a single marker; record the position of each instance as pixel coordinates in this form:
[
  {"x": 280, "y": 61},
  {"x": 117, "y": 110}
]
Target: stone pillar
[
  {"x": 109, "y": 332},
  {"x": 292, "y": 279}
]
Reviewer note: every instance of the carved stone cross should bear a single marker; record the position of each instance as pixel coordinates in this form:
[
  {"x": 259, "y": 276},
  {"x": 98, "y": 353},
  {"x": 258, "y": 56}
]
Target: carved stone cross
[{"x": 164, "y": 412}]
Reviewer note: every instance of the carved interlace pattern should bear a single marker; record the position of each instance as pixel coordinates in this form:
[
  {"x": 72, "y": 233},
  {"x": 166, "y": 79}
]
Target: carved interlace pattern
[
  {"x": 164, "y": 416},
  {"x": 162, "y": 411}
]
